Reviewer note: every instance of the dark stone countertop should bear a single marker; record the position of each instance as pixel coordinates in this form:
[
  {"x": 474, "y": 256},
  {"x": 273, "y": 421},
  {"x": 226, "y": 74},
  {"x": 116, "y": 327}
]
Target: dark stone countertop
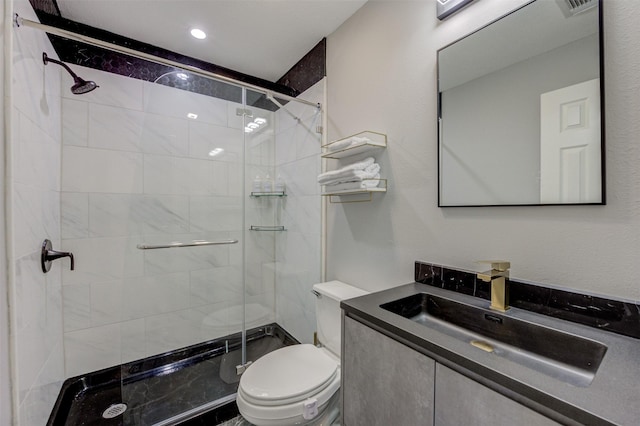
[{"x": 613, "y": 397}]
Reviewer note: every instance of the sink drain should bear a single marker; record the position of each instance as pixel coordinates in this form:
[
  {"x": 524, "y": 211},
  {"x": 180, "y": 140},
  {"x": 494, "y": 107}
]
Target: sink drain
[{"x": 114, "y": 410}]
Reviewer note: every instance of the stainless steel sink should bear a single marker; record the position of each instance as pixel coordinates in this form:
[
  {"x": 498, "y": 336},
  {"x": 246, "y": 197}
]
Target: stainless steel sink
[{"x": 567, "y": 357}]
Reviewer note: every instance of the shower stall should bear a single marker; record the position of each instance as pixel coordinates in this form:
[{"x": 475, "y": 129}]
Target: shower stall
[{"x": 194, "y": 221}]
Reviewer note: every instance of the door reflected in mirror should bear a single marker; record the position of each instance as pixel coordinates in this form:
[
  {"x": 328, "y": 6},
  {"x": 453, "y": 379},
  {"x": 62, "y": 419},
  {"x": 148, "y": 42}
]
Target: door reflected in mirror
[{"x": 520, "y": 110}]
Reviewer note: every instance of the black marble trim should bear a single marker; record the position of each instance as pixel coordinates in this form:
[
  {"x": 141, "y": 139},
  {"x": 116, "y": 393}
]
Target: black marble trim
[
  {"x": 599, "y": 312},
  {"x": 309, "y": 70}
]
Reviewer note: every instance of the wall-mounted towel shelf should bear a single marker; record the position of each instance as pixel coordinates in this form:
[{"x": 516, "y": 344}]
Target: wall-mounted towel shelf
[
  {"x": 268, "y": 194},
  {"x": 360, "y": 143},
  {"x": 266, "y": 228},
  {"x": 366, "y": 143},
  {"x": 352, "y": 195}
]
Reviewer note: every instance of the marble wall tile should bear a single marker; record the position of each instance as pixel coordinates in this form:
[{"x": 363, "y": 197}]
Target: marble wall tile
[
  {"x": 107, "y": 301},
  {"x": 171, "y": 175},
  {"x": 215, "y": 285},
  {"x": 115, "y": 90},
  {"x": 38, "y": 402},
  {"x": 208, "y": 109},
  {"x": 172, "y": 330},
  {"x": 75, "y": 122},
  {"x": 302, "y": 214},
  {"x": 36, "y": 217},
  {"x": 104, "y": 133},
  {"x": 36, "y": 90},
  {"x": 74, "y": 215},
  {"x": 103, "y": 259},
  {"x": 124, "y": 214},
  {"x": 36, "y": 155},
  {"x": 96, "y": 170},
  {"x": 133, "y": 340},
  {"x": 285, "y": 151},
  {"x": 35, "y": 141},
  {"x": 204, "y": 138},
  {"x": 92, "y": 349},
  {"x": 77, "y": 307},
  {"x": 301, "y": 176},
  {"x": 154, "y": 295},
  {"x": 165, "y": 135},
  {"x": 212, "y": 321},
  {"x": 215, "y": 213},
  {"x": 35, "y": 325}
]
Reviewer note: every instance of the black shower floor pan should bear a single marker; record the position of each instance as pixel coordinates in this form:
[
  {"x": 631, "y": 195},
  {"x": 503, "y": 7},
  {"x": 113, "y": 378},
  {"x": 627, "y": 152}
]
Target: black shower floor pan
[{"x": 178, "y": 387}]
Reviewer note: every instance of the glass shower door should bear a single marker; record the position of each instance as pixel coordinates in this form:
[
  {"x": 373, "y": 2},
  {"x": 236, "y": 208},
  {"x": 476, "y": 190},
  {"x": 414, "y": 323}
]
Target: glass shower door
[{"x": 183, "y": 310}]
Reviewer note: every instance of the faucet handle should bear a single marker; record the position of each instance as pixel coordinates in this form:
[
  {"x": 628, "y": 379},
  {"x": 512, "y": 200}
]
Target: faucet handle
[{"x": 497, "y": 265}]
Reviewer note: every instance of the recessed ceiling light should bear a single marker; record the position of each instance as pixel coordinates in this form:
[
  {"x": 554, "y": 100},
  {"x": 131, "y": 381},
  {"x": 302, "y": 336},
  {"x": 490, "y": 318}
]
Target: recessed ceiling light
[
  {"x": 198, "y": 33},
  {"x": 260, "y": 120},
  {"x": 192, "y": 116},
  {"x": 253, "y": 125}
]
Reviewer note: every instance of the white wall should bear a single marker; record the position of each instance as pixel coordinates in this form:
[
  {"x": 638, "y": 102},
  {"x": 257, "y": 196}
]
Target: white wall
[
  {"x": 36, "y": 298},
  {"x": 5, "y": 371},
  {"x": 382, "y": 76}
]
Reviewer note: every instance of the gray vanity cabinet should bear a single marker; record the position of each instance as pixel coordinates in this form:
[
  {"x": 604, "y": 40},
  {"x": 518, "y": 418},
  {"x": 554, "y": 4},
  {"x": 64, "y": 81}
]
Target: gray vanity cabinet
[
  {"x": 384, "y": 382},
  {"x": 462, "y": 401},
  {"x": 387, "y": 383}
]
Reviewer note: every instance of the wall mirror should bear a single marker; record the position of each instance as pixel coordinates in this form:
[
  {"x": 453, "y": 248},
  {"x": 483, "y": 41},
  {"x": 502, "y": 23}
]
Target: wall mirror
[{"x": 520, "y": 110}]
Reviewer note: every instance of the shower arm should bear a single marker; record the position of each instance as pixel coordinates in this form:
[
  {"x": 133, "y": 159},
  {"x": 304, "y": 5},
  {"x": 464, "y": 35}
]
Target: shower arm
[
  {"x": 19, "y": 21},
  {"x": 46, "y": 59}
]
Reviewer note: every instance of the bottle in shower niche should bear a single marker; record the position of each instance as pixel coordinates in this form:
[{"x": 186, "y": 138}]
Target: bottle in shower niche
[
  {"x": 279, "y": 186},
  {"x": 267, "y": 184},
  {"x": 257, "y": 184}
]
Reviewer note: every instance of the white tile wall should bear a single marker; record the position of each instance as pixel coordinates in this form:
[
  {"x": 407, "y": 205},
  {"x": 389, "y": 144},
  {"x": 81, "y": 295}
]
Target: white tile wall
[
  {"x": 136, "y": 169},
  {"x": 298, "y": 251},
  {"x": 37, "y": 304},
  {"x": 97, "y": 170}
]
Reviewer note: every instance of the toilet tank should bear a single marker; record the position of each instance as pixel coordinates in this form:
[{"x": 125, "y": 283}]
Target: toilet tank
[{"x": 328, "y": 315}]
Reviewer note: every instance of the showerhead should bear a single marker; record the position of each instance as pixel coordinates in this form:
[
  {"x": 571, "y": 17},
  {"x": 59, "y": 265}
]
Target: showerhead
[{"x": 80, "y": 85}]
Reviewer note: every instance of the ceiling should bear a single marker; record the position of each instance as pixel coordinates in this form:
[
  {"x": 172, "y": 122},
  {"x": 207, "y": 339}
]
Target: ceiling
[{"x": 262, "y": 38}]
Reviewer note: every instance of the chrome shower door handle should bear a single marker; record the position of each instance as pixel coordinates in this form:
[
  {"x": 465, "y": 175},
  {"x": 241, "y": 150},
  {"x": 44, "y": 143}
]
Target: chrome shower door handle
[{"x": 47, "y": 256}]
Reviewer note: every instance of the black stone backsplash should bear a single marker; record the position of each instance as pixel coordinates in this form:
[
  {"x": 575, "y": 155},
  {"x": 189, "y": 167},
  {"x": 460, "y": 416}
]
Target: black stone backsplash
[{"x": 606, "y": 314}]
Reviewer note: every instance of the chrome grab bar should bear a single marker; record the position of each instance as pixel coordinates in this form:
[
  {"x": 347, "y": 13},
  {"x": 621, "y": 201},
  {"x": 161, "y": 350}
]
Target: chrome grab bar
[{"x": 194, "y": 243}]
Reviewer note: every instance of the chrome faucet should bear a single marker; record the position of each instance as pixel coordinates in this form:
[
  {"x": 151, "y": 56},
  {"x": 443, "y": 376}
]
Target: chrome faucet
[{"x": 497, "y": 276}]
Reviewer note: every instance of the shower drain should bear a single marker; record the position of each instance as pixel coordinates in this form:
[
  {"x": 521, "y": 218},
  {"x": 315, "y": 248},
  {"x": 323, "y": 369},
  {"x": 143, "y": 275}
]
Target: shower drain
[{"x": 114, "y": 410}]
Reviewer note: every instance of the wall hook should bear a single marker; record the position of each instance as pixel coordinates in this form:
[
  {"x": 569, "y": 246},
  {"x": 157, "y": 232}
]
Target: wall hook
[{"x": 48, "y": 255}]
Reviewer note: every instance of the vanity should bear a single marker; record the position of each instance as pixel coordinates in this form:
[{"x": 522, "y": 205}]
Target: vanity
[{"x": 408, "y": 358}]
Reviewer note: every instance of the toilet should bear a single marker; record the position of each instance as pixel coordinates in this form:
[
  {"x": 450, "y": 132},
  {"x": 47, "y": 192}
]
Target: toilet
[{"x": 299, "y": 384}]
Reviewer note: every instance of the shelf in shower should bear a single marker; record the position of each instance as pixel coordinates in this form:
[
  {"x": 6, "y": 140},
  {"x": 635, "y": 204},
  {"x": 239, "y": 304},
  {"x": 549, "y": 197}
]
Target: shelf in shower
[
  {"x": 268, "y": 194},
  {"x": 266, "y": 228}
]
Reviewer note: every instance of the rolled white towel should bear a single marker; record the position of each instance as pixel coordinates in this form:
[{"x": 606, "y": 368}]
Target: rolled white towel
[
  {"x": 363, "y": 184},
  {"x": 347, "y": 143},
  {"x": 351, "y": 175},
  {"x": 360, "y": 165}
]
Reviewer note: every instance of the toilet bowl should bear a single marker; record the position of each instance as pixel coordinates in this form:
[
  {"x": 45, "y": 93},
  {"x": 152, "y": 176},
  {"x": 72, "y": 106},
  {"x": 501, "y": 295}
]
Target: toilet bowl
[{"x": 299, "y": 384}]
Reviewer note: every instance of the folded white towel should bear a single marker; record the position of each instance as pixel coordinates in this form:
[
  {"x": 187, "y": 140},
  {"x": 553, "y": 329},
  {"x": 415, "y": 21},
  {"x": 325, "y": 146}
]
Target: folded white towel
[
  {"x": 360, "y": 165},
  {"x": 351, "y": 175},
  {"x": 363, "y": 184},
  {"x": 347, "y": 143}
]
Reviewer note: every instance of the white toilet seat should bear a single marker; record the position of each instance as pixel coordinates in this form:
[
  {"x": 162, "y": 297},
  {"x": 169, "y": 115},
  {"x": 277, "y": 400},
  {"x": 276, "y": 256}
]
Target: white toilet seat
[{"x": 273, "y": 389}]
